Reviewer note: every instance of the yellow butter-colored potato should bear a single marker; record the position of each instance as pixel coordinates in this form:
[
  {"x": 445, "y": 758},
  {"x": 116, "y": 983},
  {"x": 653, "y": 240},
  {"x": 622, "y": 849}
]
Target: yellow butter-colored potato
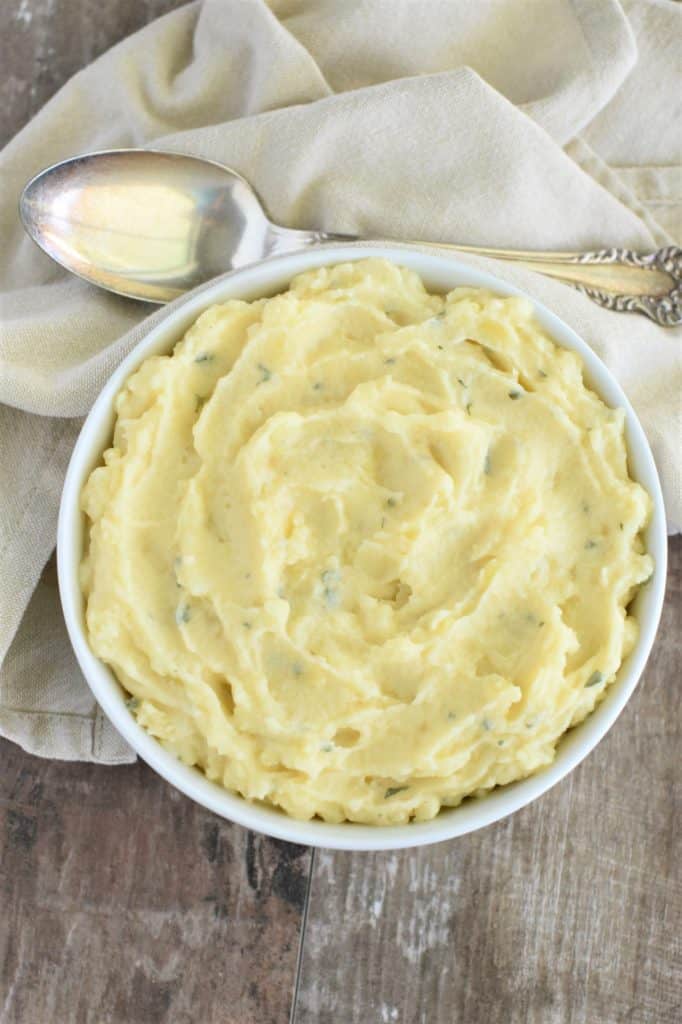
[{"x": 361, "y": 551}]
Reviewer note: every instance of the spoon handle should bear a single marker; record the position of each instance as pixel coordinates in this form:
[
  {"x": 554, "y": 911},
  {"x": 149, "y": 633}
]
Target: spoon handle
[{"x": 622, "y": 280}]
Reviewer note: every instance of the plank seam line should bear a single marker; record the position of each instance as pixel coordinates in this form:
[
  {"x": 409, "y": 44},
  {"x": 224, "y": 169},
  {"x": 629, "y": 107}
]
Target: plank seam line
[{"x": 301, "y": 941}]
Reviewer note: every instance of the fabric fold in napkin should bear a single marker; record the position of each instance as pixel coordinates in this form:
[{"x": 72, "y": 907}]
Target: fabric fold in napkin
[{"x": 544, "y": 125}]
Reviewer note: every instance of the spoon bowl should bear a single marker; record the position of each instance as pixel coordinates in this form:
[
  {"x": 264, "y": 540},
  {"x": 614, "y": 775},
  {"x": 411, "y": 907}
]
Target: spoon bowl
[{"x": 150, "y": 228}]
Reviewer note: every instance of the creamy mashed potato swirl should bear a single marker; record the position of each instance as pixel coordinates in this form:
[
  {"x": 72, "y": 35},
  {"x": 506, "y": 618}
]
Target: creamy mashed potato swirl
[{"x": 360, "y": 551}]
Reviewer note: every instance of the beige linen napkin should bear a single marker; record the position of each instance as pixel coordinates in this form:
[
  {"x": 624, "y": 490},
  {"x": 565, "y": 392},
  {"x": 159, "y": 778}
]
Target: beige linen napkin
[{"x": 542, "y": 124}]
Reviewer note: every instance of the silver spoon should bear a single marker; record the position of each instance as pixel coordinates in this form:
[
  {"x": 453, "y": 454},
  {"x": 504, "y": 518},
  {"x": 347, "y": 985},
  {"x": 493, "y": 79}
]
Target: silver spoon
[{"x": 152, "y": 225}]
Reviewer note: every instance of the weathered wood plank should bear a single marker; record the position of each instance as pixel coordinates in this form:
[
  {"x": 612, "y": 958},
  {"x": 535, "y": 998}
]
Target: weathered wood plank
[
  {"x": 570, "y": 910},
  {"x": 44, "y": 42},
  {"x": 124, "y": 902}
]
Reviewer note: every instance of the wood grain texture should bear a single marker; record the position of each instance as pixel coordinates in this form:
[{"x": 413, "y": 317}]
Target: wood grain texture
[
  {"x": 569, "y": 911},
  {"x": 125, "y": 903},
  {"x": 45, "y": 42}
]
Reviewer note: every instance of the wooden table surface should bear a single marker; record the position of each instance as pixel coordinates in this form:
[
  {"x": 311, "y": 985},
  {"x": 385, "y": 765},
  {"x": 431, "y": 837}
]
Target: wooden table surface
[{"x": 124, "y": 903}]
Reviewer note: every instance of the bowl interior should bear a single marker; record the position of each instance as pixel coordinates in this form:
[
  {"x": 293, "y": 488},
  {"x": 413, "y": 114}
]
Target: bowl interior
[{"x": 265, "y": 279}]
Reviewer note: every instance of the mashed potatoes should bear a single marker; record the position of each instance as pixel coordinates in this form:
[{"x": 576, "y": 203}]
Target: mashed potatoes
[{"x": 360, "y": 551}]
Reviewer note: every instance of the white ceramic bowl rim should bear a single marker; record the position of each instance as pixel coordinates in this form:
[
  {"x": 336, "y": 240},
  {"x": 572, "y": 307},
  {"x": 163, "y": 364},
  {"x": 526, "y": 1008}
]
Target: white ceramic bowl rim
[{"x": 267, "y": 278}]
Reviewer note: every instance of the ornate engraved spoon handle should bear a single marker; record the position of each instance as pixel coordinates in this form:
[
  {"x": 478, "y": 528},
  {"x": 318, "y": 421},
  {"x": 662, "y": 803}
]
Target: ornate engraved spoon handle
[{"x": 618, "y": 279}]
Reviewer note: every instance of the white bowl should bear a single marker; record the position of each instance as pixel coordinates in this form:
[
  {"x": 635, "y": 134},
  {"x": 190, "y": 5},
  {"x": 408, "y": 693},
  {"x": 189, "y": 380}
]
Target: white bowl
[{"x": 263, "y": 279}]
